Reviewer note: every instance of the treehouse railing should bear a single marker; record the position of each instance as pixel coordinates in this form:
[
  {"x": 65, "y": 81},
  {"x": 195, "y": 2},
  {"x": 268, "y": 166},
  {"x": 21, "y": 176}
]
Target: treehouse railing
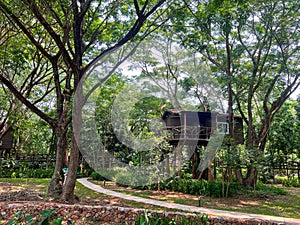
[{"x": 176, "y": 133}]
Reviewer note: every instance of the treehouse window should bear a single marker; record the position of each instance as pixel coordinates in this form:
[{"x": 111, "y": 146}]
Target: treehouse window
[{"x": 223, "y": 128}]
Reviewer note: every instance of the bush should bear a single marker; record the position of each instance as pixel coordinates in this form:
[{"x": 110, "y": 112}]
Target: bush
[
  {"x": 26, "y": 173},
  {"x": 270, "y": 189},
  {"x": 291, "y": 182},
  {"x": 214, "y": 189},
  {"x": 44, "y": 218},
  {"x": 196, "y": 187},
  {"x": 185, "y": 185},
  {"x": 288, "y": 182},
  {"x": 13, "y": 169},
  {"x": 154, "y": 219},
  {"x": 126, "y": 180},
  {"x": 107, "y": 174},
  {"x": 97, "y": 176}
]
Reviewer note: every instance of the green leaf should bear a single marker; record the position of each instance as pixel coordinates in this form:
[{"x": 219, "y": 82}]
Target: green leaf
[
  {"x": 44, "y": 221},
  {"x": 46, "y": 213},
  {"x": 11, "y": 221},
  {"x": 29, "y": 218},
  {"x": 57, "y": 221}
]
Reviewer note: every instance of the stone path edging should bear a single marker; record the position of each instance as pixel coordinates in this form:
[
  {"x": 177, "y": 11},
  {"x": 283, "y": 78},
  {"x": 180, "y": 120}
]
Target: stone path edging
[{"x": 209, "y": 212}]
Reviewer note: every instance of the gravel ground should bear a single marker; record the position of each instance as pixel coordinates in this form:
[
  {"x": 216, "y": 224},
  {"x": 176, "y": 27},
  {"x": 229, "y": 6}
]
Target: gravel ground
[{"x": 14, "y": 198}]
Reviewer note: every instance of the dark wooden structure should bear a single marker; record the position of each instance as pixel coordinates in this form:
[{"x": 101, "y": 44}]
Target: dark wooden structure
[
  {"x": 24, "y": 157},
  {"x": 191, "y": 126},
  {"x": 6, "y": 141}
]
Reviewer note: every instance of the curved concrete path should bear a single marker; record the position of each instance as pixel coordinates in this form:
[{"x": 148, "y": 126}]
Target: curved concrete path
[{"x": 210, "y": 212}]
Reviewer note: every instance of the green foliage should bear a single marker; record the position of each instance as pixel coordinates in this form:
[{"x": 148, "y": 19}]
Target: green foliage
[
  {"x": 121, "y": 176},
  {"x": 248, "y": 45},
  {"x": 42, "y": 219},
  {"x": 14, "y": 169},
  {"x": 28, "y": 173},
  {"x": 288, "y": 182},
  {"x": 283, "y": 146},
  {"x": 214, "y": 188},
  {"x": 197, "y": 187},
  {"x": 156, "y": 219},
  {"x": 57, "y": 221},
  {"x": 123, "y": 179},
  {"x": 97, "y": 176},
  {"x": 270, "y": 189},
  {"x": 106, "y": 174},
  {"x": 130, "y": 179}
]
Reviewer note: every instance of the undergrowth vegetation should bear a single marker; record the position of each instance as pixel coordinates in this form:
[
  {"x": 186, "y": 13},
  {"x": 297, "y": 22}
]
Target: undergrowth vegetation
[
  {"x": 187, "y": 185},
  {"x": 43, "y": 218},
  {"x": 155, "y": 219}
]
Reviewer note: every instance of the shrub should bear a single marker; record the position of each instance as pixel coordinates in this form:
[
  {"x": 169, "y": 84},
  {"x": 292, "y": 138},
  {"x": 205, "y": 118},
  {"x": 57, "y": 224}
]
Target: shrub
[
  {"x": 97, "y": 176},
  {"x": 196, "y": 187},
  {"x": 214, "y": 189},
  {"x": 15, "y": 169},
  {"x": 43, "y": 218},
  {"x": 291, "y": 182},
  {"x": 26, "y": 173},
  {"x": 270, "y": 189},
  {"x": 154, "y": 219},
  {"x": 125, "y": 180},
  {"x": 288, "y": 182}
]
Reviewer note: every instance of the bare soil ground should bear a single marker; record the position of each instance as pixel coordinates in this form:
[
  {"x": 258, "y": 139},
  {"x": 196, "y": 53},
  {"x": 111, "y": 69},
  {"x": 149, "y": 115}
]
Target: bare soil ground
[{"x": 19, "y": 193}]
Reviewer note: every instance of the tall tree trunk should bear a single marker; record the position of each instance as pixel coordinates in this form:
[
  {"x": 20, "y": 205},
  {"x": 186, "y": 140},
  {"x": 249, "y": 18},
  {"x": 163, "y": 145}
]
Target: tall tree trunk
[
  {"x": 239, "y": 176},
  {"x": 179, "y": 160},
  {"x": 251, "y": 178},
  {"x": 196, "y": 159},
  {"x": 69, "y": 186},
  {"x": 55, "y": 186},
  {"x": 167, "y": 165},
  {"x": 209, "y": 176}
]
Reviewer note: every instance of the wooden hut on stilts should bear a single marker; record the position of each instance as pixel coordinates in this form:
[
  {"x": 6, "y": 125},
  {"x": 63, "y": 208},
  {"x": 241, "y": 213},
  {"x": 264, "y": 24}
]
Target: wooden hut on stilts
[{"x": 192, "y": 128}]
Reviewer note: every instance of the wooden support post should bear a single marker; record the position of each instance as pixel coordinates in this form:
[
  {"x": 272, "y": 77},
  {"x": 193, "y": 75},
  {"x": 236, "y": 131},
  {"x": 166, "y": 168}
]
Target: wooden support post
[
  {"x": 167, "y": 165},
  {"x": 179, "y": 160}
]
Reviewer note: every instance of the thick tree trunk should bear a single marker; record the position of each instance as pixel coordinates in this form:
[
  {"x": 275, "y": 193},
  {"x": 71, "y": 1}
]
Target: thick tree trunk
[
  {"x": 215, "y": 169},
  {"x": 209, "y": 176},
  {"x": 195, "y": 164},
  {"x": 69, "y": 186},
  {"x": 167, "y": 165},
  {"x": 239, "y": 176},
  {"x": 251, "y": 178},
  {"x": 179, "y": 161},
  {"x": 55, "y": 186}
]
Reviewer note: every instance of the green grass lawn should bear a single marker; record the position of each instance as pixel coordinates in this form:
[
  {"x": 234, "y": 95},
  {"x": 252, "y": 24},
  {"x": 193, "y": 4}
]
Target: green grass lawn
[{"x": 267, "y": 200}]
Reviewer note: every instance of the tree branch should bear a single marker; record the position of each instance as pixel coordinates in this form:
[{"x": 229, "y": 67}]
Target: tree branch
[
  {"x": 129, "y": 36},
  {"x": 9, "y": 14},
  {"x": 31, "y": 106}
]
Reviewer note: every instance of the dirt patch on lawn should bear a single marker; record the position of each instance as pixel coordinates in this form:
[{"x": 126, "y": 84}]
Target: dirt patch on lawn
[
  {"x": 30, "y": 193},
  {"x": 15, "y": 192}
]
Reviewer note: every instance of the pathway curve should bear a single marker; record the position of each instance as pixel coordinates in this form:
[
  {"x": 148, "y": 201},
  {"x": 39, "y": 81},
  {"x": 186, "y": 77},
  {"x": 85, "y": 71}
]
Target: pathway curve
[{"x": 210, "y": 212}]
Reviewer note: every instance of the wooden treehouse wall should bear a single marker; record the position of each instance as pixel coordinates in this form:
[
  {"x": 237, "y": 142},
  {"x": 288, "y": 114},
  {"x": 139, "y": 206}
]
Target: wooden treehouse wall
[{"x": 199, "y": 126}]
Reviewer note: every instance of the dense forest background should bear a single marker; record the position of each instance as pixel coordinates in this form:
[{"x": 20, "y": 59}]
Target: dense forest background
[{"x": 235, "y": 57}]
